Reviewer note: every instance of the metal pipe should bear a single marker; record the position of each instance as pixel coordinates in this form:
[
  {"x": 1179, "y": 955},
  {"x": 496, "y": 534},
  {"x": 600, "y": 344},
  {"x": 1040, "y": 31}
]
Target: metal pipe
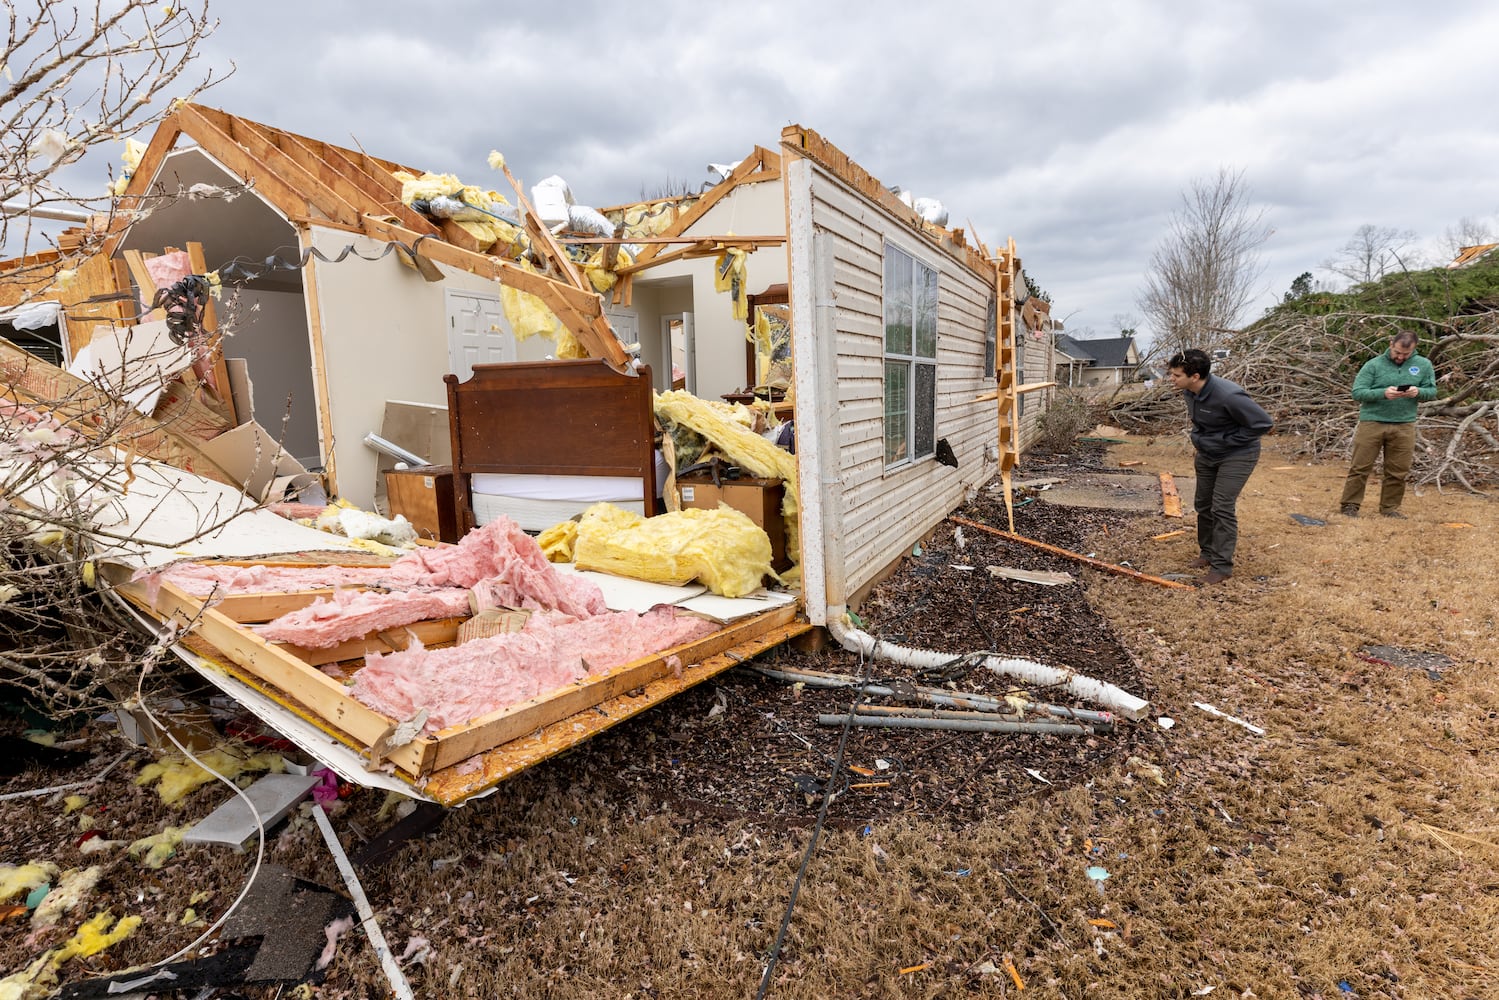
[
  {"x": 1038, "y": 674},
  {"x": 973, "y": 702},
  {"x": 395, "y": 451},
  {"x": 44, "y": 212},
  {"x": 955, "y": 725}
]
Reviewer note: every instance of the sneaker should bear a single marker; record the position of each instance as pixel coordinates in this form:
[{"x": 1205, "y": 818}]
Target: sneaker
[
  {"x": 1349, "y": 510},
  {"x": 1201, "y": 562},
  {"x": 1392, "y": 513},
  {"x": 1214, "y": 577}
]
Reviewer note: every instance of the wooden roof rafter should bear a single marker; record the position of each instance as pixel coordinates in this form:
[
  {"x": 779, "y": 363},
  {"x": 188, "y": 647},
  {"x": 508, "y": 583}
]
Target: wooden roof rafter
[
  {"x": 806, "y": 142},
  {"x": 760, "y": 165},
  {"x": 315, "y": 183}
]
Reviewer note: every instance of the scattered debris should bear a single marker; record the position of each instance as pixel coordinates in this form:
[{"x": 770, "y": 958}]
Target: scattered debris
[
  {"x": 1308, "y": 521},
  {"x": 1230, "y": 718},
  {"x": 1045, "y": 578}
]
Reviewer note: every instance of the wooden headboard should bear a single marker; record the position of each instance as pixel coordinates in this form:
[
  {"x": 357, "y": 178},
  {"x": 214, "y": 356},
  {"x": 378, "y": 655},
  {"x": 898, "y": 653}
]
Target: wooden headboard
[{"x": 550, "y": 418}]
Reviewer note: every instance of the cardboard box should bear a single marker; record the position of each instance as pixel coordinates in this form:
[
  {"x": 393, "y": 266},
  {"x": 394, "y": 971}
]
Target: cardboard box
[
  {"x": 759, "y": 499},
  {"x": 425, "y": 496}
]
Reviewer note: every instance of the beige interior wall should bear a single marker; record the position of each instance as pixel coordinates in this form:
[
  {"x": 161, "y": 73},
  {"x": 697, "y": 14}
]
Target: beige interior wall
[
  {"x": 749, "y": 210},
  {"x": 384, "y": 337}
]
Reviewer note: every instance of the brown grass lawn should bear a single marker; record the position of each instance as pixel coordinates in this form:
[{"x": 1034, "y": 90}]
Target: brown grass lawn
[{"x": 1350, "y": 851}]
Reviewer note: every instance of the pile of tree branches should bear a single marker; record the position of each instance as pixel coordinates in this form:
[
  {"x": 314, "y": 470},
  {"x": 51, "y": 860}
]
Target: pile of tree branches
[{"x": 1301, "y": 367}]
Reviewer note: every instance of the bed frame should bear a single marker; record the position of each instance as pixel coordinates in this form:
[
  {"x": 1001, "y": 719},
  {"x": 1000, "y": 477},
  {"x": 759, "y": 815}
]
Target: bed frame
[{"x": 550, "y": 418}]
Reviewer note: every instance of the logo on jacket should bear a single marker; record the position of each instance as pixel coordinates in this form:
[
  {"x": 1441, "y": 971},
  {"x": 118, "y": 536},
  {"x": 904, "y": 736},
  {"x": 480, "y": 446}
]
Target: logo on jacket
[{"x": 1415, "y": 369}]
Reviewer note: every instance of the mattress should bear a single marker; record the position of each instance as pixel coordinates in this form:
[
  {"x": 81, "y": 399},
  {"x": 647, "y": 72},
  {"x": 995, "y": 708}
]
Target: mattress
[
  {"x": 537, "y": 515},
  {"x": 582, "y": 489}
]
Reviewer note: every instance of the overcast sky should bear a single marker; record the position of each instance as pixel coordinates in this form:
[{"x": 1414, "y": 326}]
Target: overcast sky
[{"x": 1071, "y": 125}]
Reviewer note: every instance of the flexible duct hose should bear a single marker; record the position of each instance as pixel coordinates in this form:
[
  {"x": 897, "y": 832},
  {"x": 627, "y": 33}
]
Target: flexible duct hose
[{"x": 1086, "y": 688}]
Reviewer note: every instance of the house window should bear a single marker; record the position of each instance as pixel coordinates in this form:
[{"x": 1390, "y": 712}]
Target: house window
[
  {"x": 991, "y": 337},
  {"x": 910, "y": 357}
]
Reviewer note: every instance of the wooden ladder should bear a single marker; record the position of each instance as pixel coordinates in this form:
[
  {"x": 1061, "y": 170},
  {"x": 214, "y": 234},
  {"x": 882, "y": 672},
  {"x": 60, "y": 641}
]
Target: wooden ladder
[{"x": 1007, "y": 272}]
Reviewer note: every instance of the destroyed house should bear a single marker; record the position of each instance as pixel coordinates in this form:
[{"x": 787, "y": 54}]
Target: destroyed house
[{"x": 894, "y": 347}]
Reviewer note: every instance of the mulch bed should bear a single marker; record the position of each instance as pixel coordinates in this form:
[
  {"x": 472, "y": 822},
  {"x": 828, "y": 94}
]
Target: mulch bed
[{"x": 747, "y": 746}]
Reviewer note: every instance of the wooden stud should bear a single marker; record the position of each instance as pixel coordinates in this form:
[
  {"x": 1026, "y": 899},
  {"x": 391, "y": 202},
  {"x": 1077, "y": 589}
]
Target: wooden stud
[
  {"x": 319, "y": 372},
  {"x": 760, "y": 160}
]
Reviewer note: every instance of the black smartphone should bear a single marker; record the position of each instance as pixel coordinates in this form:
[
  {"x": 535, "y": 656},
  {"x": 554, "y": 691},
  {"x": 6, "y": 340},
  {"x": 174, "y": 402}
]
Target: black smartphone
[{"x": 1404, "y": 388}]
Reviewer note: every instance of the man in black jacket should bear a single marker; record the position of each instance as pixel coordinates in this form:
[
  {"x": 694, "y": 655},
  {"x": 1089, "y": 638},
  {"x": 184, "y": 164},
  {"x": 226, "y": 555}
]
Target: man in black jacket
[{"x": 1226, "y": 430}]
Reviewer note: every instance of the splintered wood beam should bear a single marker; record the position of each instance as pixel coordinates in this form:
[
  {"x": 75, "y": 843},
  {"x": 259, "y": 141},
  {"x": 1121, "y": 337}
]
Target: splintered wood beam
[
  {"x": 1171, "y": 501},
  {"x": 731, "y": 241},
  {"x": 199, "y": 265},
  {"x": 543, "y": 235},
  {"x": 1074, "y": 556}
]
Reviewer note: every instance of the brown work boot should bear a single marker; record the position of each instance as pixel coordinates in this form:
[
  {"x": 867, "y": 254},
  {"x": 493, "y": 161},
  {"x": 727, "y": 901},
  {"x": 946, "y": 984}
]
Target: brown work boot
[
  {"x": 1213, "y": 577},
  {"x": 1349, "y": 510},
  {"x": 1201, "y": 562},
  {"x": 1392, "y": 513}
]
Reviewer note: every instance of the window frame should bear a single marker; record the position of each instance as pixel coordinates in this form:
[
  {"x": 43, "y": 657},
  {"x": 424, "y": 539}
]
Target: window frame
[{"x": 910, "y": 307}]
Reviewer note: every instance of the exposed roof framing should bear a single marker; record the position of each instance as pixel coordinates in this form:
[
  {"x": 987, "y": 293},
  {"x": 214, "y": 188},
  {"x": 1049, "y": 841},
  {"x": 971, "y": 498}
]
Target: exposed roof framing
[
  {"x": 760, "y": 165},
  {"x": 312, "y": 182},
  {"x": 805, "y": 142}
]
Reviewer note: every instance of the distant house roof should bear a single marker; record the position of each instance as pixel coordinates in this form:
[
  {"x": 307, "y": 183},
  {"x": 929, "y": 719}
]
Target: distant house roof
[
  {"x": 1468, "y": 255},
  {"x": 1074, "y": 350},
  {"x": 1109, "y": 352}
]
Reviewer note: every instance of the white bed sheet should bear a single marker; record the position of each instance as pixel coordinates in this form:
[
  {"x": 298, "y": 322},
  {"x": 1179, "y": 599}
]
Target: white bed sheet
[
  {"x": 582, "y": 489},
  {"x": 537, "y": 515}
]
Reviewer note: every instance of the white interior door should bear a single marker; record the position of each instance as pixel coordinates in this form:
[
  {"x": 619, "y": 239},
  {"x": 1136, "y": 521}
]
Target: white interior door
[{"x": 477, "y": 332}]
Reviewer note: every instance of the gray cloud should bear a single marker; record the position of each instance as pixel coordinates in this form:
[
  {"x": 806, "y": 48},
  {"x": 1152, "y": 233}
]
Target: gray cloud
[{"x": 1072, "y": 125}]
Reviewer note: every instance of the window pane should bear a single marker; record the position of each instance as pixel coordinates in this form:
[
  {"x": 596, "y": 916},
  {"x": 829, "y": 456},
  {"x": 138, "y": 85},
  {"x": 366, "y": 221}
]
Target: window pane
[
  {"x": 924, "y": 442},
  {"x": 897, "y": 409},
  {"x": 897, "y": 301},
  {"x": 991, "y": 317},
  {"x": 926, "y": 312}
]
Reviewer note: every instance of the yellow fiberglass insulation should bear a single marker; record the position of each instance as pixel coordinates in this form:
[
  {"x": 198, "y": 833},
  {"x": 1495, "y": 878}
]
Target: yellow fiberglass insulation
[
  {"x": 179, "y": 776},
  {"x": 722, "y": 548},
  {"x": 557, "y": 541},
  {"x": 529, "y": 316},
  {"x": 427, "y": 186},
  {"x": 744, "y": 448}
]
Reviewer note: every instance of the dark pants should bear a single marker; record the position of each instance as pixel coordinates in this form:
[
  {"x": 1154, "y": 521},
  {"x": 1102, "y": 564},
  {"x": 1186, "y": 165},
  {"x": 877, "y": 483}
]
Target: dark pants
[
  {"x": 1398, "y": 444},
  {"x": 1219, "y": 483}
]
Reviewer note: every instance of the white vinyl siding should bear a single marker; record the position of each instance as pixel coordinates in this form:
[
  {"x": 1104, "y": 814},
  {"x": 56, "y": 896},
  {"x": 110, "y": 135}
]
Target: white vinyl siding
[{"x": 886, "y": 508}]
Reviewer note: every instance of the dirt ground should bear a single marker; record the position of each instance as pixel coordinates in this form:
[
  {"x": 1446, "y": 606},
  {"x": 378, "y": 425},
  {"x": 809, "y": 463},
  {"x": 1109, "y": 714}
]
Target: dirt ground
[{"x": 1348, "y": 851}]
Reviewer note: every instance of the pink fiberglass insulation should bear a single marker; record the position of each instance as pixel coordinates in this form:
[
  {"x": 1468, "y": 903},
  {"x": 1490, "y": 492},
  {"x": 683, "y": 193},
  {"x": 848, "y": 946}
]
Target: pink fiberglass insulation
[
  {"x": 202, "y": 579},
  {"x": 464, "y": 682},
  {"x": 499, "y": 560},
  {"x": 505, "y": 567},
  {"x": 350, "y": 614}
]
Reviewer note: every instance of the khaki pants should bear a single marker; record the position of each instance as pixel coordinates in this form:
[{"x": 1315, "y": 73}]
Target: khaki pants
[{"x": 1397, "y": 442}]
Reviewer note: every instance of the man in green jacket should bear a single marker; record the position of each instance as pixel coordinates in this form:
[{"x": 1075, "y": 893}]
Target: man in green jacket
[{"x": 1387, "y": 389}]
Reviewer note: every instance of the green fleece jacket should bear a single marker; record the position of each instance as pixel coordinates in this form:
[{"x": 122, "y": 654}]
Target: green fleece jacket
[{"x": 1380, "y": 373}]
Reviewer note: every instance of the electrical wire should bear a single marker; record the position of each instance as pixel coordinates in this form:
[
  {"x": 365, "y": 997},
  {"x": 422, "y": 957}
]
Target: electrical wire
[
  {"x": 164, "y": 639},
  {"x": 828, "y": 794}
]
